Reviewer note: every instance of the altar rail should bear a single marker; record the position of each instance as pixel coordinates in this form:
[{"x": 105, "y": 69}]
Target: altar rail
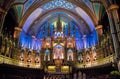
[{"x": 99, "y": 62}]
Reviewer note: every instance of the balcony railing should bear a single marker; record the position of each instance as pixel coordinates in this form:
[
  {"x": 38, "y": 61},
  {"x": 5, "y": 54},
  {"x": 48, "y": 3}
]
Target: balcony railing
[
  {"x": 7, "y": 60},
  {"x": 98, "y": 62},
  {"x": 11, "y": 61}
]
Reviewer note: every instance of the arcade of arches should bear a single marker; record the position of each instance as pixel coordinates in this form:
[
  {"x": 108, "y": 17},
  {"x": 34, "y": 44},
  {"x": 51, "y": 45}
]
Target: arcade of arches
[{"x": 59, "y": 39}]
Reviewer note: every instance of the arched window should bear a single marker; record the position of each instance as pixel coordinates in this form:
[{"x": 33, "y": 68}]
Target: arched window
[
  {"x": 87, "y": 55},
  {"x": 70, "y": 55},
  {"x": 80, "y": 57},
  {"x": 94, "y": 54},
  {"x": 47, "y": 55},
  {"x": 37, "y": 57},
  {"x": 22, "y": 54}
]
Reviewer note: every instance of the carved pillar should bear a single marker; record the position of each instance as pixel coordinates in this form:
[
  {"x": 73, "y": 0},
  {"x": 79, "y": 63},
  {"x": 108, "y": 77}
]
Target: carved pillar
[
  {"x": 99, "y": 29},
  {"x": 112, "y": 11}
]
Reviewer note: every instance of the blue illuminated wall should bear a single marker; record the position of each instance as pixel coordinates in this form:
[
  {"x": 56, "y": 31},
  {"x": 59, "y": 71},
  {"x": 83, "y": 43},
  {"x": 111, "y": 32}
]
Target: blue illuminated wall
[
  {"x": 82, "y": 41},
  {"x": 30, "y": 42}
]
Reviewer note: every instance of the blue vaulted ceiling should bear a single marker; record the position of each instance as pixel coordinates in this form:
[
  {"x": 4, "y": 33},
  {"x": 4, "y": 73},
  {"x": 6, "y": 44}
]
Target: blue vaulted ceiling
[
  {"x": 96, "y": 8},
  {"x": 34, "y": 23}
]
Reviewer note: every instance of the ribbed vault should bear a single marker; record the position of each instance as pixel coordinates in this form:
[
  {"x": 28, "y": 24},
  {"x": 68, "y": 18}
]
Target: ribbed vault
[{"x": 83, "y": 26}]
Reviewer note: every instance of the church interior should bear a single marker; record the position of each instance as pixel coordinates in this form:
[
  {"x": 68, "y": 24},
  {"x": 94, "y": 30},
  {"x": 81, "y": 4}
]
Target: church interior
[{"x": 59, "y": 39}]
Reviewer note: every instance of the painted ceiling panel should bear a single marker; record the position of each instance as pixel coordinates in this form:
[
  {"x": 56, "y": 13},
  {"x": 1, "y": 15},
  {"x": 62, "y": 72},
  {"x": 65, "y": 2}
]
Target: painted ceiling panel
[
  {"x": 19, "y": 9},
  {"x": 64, "y": 17},
  {"x": 31, "y": 18},
  {"x": 89, "y": 4},
  {"x": 97, "y": 9},
  {"x": 102, "y": 12},
  {"x": 27, "y": 5},
  {"x": 86, "y": 17},
  {"x": 58, "y": 3}
]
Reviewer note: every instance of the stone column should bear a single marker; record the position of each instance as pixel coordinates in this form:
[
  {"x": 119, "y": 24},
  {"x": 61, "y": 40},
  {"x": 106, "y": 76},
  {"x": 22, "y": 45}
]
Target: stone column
[{"x": 112, "y": 11}]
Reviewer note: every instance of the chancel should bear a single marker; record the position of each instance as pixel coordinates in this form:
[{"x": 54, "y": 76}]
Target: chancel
[{"x": 59, "y": 39}]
